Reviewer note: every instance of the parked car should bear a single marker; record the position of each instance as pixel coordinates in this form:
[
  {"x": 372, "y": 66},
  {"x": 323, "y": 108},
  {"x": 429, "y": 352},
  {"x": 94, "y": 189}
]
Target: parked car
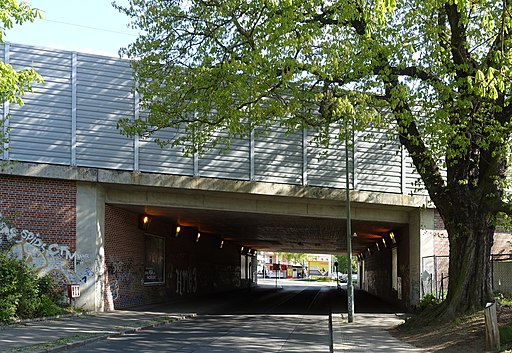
[{"x": 337, "y": 275}]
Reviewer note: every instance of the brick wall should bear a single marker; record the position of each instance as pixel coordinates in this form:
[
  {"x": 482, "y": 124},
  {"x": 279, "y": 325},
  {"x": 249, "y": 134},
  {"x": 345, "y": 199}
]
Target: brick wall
[
  {"x": 191, "y": 268},
  {"x": 378, "y": 273},
  {"x": 39, "y": 223},
  {"x": 378, "y": 270},
  {"x": 502, "y": 239}
]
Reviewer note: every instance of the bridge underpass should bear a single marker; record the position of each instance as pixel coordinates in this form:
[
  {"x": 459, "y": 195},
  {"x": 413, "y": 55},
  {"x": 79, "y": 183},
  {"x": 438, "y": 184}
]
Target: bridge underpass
[
  {"x": 297, "y": 219},
  {"x": 309, "y": 220},
  {"x": 279, "y": 232},
  {"x": 77, "y": 187}
]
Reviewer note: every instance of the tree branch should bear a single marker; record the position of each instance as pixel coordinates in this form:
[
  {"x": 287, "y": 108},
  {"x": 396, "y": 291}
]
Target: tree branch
[{"x": 458, "y": 41}]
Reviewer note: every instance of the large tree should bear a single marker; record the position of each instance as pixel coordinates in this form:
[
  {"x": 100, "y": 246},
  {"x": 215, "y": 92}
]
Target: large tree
[{"x": 436, "y": 72}]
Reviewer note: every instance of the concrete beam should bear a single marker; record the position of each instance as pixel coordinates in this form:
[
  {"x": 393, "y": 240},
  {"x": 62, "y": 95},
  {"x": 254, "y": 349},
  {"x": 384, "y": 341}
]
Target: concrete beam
[{"x": 157, "y": 183}]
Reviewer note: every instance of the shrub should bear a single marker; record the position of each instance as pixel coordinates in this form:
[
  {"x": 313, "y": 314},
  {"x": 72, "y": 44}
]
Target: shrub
[
  {"x": 48, "y": 307},
  {"x": 506, "y": 334},
  {"x": 49, "y": 288},
  {"x": 428, "y": 300},
  {"x": 22, "y": 294},
  {"x": 503, "y": 298}
]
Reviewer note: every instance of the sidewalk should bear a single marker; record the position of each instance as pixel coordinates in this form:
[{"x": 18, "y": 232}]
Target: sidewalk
[
  {"x": 62, "y": 333},
  {"x": 368, "y": 333}
]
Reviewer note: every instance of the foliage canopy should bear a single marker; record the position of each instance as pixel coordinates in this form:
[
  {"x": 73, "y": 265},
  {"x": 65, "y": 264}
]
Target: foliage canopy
[{"x": 435, "y": 73}]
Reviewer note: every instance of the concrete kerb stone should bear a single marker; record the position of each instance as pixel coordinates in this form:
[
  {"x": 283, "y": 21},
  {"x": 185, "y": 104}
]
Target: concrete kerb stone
[{"x": 115, "y": 332}]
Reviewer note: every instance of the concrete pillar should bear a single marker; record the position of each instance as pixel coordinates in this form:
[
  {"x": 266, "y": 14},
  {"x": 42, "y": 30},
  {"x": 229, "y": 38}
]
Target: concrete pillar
[
  {"x": 90, "y": 236},
  {"x": 421, "y": 244}
]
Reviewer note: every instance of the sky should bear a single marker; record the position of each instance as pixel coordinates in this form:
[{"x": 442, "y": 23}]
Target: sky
[{"x": 90, "y": 26}]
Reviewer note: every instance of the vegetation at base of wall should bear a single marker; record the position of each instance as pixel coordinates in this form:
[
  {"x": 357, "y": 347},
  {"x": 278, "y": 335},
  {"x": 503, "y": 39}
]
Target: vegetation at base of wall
[
  {"x": 23, "y": 294},
  {"x": 506, "y": 334},
  {"x": 318, "y": 279},
  {"x": 503, "y": 298},
  {"x": 427, "y": 301}
]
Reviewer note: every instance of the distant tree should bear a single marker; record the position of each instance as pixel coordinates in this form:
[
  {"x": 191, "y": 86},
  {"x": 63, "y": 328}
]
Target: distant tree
[
  {"x": 436, "y": 74},
  {"x": 343, "y": 262}
]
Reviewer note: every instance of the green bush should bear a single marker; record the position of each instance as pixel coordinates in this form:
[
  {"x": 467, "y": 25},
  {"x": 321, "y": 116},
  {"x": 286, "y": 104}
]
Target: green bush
[
  {"x": 503, "y": 298},
  {"x": 506, "y": 334},
  {"x": 48, "y": 287},
  {"x": 22, "y": 294},
  {"x": 48, "y": 307},
  {"x": 428, "y": 300}
]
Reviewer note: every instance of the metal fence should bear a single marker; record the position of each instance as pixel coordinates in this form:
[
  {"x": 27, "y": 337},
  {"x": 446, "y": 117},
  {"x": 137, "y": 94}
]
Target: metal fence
[
  {"x": 502, "y": 272},
  {"x": 434, "y": 276}
]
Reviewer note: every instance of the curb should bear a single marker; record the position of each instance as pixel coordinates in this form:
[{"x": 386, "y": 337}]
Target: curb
[
  {"x": 117, "y": 333},
  {"x": 40, "y": 319}
]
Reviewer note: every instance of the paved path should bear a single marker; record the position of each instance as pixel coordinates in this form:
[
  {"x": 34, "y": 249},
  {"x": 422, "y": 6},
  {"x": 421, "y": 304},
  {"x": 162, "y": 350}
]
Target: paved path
[
  {"x": 292, "y": 319},
  {"x": 369, "y": 334}
]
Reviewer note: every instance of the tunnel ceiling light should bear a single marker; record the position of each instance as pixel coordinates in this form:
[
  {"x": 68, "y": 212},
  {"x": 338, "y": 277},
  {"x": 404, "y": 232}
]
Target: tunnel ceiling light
[
  {"x": 198, "y": 236},
  {"x": 378, "y": 247},
  {"x": 384, "y": 242},
  {"x": 221, "y": 244},
  {"x": 144, "y": 221},
  {"x": 392, "y": 237},
  {"x": 178, "y": 230}
]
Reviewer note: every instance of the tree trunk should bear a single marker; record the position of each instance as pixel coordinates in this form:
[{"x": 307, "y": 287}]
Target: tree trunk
[{"x": 471, "y": 234}]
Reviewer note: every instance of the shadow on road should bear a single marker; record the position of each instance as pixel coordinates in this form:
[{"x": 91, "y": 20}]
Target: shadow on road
[{"x": 289, "y": 297}]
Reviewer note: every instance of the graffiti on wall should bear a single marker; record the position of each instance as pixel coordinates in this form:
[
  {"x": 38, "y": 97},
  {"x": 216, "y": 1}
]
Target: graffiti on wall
[
  {"x": 120, "y": 274},
  {"x": 186, "y": 281},
  {"x": 52, "y": 259}
]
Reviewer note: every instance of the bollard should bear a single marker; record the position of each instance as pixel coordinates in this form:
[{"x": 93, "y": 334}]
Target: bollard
[{"x": 492, "y": 334}]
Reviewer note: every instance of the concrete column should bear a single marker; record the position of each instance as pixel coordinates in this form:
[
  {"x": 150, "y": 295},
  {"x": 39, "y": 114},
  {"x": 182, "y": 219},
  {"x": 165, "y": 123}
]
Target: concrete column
[
  {"x": 90, "y": 226},
  {"x": 421, "y": 244}
]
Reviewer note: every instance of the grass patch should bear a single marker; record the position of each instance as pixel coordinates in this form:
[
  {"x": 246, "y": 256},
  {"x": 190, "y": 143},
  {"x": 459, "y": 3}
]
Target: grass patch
[
  {"x": 317, "y": 279},
  {"x": 504, "y": 298},
  {"x": 55, "y": 343},
  {"x": 506, "y": 334}
]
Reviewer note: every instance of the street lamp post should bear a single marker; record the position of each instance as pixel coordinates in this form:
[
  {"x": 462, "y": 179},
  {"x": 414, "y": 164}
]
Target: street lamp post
[{"x": 350, "y": 287}]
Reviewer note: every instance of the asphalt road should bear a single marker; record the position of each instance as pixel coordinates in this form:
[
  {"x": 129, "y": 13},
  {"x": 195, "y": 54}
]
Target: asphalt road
[{"x": 294, "y": 317}]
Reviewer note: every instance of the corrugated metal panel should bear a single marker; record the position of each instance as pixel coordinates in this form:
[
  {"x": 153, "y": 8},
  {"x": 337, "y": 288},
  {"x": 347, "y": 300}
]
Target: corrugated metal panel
[
  {"x": 230, "y": 164},
  {"x": 2, "y": 51},
  {"x": 41, "y": 128},
  {"x": 278, "y": 157},
  {"x": 167, "y": 160},
  {"x": 413, "y": 183},
  {"x": 326, "y": 167},
  {"x": 103, "y": 97},
  {"x": 378, "y": 162}
]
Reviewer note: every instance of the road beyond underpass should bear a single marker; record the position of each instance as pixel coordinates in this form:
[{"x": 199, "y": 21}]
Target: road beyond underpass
[{"x": 294, "y": 317}]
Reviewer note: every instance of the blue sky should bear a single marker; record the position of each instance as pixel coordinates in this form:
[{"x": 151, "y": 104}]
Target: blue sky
[{"x": 91, "y": 26}]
